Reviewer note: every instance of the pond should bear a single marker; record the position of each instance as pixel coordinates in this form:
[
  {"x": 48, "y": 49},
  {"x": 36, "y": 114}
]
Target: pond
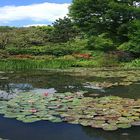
[{"x": 54, "y": 82}]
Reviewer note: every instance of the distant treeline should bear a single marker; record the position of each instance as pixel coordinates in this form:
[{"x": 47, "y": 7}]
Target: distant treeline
[{"x": 61, "y": 31}]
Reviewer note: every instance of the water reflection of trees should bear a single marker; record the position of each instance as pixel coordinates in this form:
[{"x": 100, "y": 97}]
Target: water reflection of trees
[
  {"x": 65, "y": 82},
  {"x": 9, "y": 90},
  {"x": 12, "y": 87},
  {"x": 4, "y": 85},
  {"x": 121, "y": 134},
  {"x": 131, "y": 91},
  {"x": 5, "y": 91},
  {"x": 62, "y": 82}
]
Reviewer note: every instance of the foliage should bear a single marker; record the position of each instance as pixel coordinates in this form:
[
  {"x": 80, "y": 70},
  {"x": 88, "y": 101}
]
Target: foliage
[
  {"x": 122, "y": 56},
  {"x": 108, "y": 60},
  {"x": 78, "y": 44},
  {"x": 64, "y": 30},
  {"x": 3, "y": 54},
  {"x": 4, "y": 38},
  {"x": 86, "y": 63},
  {"x": 133, "y": 45},
  {"x": 26, "y": 37},
  {"x": 133, "y": 64},
  {"x": 57, "y": 50},
  {"x": 90, "y": 35},
  {"x": 29, "y": 64},
  {"x": 109, "y": 113},
  {"x": 101, "y": 43},
  {"x": 96, "y": 17}
]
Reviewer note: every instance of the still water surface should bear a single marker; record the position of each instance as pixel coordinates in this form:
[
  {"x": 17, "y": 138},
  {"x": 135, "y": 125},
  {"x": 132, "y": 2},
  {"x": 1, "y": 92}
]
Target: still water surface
[{"x": 54, "y": 83}]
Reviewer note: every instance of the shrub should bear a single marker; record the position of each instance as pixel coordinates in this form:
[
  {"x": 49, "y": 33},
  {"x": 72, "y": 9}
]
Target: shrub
[
  {"x": 3, "y": 54},
  {"x": 58, "y": 50},
  {"x": 133, "y": 47},
  {"x": 101, "y": 43},
  {"x": 77, "y": 45},
  {"x": 85, "y": 63},
  {"x": 122, "y": 56},
  {"x": 108, "y": 60},
  {"x": 134, "y": 63}
]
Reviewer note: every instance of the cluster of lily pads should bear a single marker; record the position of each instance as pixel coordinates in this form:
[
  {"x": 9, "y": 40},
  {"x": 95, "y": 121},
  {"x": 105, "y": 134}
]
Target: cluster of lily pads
[
  {"x": 124, "y": 77},
  {"x": 108, "y": 113}
]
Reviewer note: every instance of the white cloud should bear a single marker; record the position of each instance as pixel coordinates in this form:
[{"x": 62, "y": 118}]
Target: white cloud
[
  {"x": 35, "y": 12},
  {"x": 35, "y": 25}
]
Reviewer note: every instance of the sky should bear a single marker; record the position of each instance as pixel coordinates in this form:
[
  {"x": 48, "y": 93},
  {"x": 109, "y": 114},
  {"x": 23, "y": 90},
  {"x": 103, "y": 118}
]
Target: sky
[{"x": 32, "y": 12}]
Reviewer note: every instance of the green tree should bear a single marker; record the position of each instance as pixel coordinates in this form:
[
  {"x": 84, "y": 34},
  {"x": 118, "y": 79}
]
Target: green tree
[
  {"x": 4, "y": 39},
  {"x": 30, "y": 36},
  {"x": 19, "y": 38},
  {"x": 133, "y": 45},
  {"x": 101, "y": 43},
  {"x": 46, "y": 32},
  {"x": 64, "y": 30},
  {"x": 5, "y": 35},
  {"x": 105, "y": 16}
]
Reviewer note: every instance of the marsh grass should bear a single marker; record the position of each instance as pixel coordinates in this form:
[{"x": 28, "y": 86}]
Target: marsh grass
[
  {"x": 31, "y": 64},
  {"x": 28, "y": 64},
  {"x": 64, "y": 62},
  {"x": 133, "y": 64}
]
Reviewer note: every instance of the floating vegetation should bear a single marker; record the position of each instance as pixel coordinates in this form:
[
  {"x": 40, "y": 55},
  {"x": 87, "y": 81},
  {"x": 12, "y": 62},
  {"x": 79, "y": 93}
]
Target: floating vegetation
[
  {"x": 108, "y": 77},
  {"x": 109, "y": 113}
]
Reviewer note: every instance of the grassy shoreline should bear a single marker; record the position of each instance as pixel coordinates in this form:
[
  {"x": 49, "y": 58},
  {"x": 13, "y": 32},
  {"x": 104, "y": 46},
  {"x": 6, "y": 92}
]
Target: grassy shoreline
[{"x": 62, "y": 63}]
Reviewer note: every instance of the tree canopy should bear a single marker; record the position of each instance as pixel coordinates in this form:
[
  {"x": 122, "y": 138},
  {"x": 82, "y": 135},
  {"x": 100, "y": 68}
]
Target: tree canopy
[
  {"x": 105, "y": 16},
  {"x": 64, "y": 30}
]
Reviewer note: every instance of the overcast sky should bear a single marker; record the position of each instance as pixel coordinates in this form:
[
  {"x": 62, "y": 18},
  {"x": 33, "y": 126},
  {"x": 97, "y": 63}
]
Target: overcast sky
[{"x": 32, "y": 12}]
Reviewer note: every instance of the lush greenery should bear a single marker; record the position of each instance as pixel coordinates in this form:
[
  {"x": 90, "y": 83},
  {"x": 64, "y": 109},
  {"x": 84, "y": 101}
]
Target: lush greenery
[
  {"x": 94, "y": 34},
  {"x": 113, "y": 18}
]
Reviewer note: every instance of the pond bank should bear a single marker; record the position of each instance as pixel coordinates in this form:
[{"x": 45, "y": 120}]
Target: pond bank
[{"x": 60, "y": 63}]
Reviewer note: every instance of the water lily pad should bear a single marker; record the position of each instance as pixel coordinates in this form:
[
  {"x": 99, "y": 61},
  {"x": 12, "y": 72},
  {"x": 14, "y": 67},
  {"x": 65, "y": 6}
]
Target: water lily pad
[
  {"x": 108, "y": 113},
  {"x": 124, "y": 125},
  {"x": 109, "y": 127},
  {"x": 136, "y": 123}
]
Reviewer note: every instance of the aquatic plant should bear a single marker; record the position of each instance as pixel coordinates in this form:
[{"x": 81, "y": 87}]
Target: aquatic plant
[
  {"x": 106, "y": 78},
  {"x": 109, "y": 113}
]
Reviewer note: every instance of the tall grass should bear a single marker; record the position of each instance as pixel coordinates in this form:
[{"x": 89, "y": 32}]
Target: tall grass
[
  {"x": 28, "y": 64},
  {"x": 133, "y": 64},
  {"x": 61, "y": 62}
]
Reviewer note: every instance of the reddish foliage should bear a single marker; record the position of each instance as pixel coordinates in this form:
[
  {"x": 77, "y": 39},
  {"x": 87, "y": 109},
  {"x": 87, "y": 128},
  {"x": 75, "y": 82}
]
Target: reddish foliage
[
  {"x": 86, "y": 56},
  {"x": 23, "y": 56}
]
